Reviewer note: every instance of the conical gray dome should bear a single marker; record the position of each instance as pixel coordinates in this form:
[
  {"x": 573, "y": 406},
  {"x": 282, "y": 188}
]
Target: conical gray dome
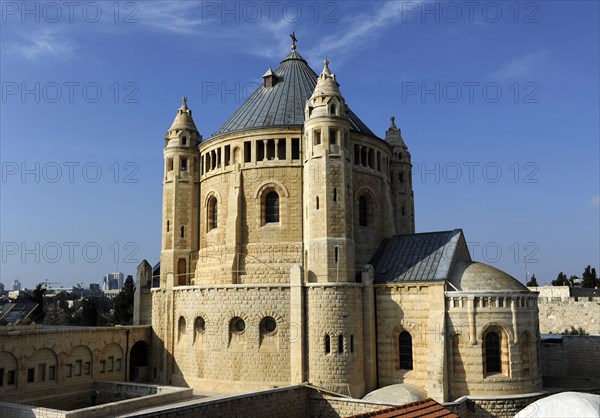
[{"x": 282, "y": 105}]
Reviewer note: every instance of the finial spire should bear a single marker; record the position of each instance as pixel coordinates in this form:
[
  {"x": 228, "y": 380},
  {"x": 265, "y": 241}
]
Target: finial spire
[
  {"x": 326, "y": 68},
  {"x": 294, "y": 40},
  {"x": 183, "y": 119},
  {"x": 393, "y": 134}
]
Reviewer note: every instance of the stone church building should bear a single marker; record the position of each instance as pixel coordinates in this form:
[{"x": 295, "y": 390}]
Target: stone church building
[{"x": 289, "y": 255}]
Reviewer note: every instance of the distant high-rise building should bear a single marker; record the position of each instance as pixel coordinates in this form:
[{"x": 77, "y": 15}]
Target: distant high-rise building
[
  {"x": 16, "y": 285},
  {"x": 113, "y": 281},
  {"x": 1, "y": 288}
]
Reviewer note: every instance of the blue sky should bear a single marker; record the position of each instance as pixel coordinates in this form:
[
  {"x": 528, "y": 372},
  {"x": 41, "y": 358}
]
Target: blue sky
[{"x": 498, "y": 103}]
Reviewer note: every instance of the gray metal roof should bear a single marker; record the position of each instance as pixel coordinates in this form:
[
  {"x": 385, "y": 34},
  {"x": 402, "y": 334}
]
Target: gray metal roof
[
  {"x": 13, "y": 312},
  {"x": 283, "y": 104},
  {"x": 416, "y": 257}
]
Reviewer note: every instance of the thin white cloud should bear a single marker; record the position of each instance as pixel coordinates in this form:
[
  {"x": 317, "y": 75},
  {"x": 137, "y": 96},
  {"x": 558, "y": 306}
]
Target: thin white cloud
[
  {"x": 217, "y": 24},
  {"x": 267, "y": 37},
  {"x": 47, "y": 42},
  {"x": 595, "y": 201},
  {"x": 520, "y": 66},
  {"x": 364, "y": 28},
  {"x": 170, "y": 16}
]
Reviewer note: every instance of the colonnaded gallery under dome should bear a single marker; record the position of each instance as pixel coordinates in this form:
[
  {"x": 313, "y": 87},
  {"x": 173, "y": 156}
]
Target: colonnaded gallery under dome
[{"x": 289, "y": 255}]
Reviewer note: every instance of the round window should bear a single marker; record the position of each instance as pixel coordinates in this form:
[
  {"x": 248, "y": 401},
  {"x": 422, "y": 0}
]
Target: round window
[
  {"x": 238, "y": 325},
  {"x": 268, "y": 325}
]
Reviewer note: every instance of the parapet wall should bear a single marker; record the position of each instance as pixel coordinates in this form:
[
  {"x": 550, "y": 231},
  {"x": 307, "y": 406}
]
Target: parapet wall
[
  {"x": 560, "y": 309},
  {"x": 560, "y": 314},
  {"x": 573, "y": 355},
  {"x": 291, "y": 402}
]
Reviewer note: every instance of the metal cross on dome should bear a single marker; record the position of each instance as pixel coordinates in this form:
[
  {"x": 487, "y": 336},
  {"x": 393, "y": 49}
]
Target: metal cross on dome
[{"x": 294, "y": 39}]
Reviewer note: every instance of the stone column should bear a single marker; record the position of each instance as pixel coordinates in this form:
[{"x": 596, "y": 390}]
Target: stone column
[
  {"x": 297, "y": 325},
  {"x": 472, "y": 324},
  {"x": 514, "y": 313},
  {"x": 370, "y": 340},
  {"x": 437, "y": 383},
  {"x": 169, "y": 337}
]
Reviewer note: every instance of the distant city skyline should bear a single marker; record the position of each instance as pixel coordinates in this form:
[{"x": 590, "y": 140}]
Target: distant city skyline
[{"x": 499, "y": 110}]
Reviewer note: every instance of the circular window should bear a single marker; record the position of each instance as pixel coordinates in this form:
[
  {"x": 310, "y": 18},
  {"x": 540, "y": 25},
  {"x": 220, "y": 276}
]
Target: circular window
[
  {"x": 268, "y": 325},
  {"x": 238, "y": 325}
]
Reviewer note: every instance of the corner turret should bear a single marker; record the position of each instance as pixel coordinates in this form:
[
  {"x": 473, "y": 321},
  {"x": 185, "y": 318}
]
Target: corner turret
[
  {"x": 326, "y": 99},
  {"x": 180, "y": 198},
  {"x": 401, "y": 179}
]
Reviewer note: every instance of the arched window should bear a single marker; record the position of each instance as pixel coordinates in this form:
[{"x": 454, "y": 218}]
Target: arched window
[
  {"x": 340, "y": 343},
  {"x": 363, "y": 211},
  {"x": 199, "y": 325},
  {"x": 327, "y": 344},
  {"x": 405, "y": 350},
  {"x": 213, "y": 214},
  {"x": 492, "y": 353},
  {"x": 199, "y": 328},
  {"x": 332, "y": 110},
  {"x": 272, "y": 207},
  {"x": 181, "y": 328}
]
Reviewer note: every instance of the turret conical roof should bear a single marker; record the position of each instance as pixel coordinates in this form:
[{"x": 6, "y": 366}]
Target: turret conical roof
[
  {"x": 183, "y": 119},
  {"x": 282, "y": 105}
]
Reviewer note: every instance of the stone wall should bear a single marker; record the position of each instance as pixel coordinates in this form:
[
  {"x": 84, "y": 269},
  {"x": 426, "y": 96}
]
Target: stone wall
[
  {"x": 575, "y": 355},
  {"x": 290, "y": 402},
  {"x": 513, "y": 316},
  {"x": 418, "y": 310},
  {"x": 38, "y": 362},
  {"x": 98, "y": 400},
  {"x": 560, "y": 313},
  {"x": 335, "y": 337},
  {"x": 242, "y": 248},
  {"x": 209, "y": 351},
  {"x": 326, "y": 406},
  {"x": 500, "y": 407}
]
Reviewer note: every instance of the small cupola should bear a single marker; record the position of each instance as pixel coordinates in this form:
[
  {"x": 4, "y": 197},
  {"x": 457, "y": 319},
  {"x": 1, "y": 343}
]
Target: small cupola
[
  {"x": 326, "y": 98},
  {"x": 394, "y": 137},
  {"x": 269, "y": 78},
  {"x": 326, "y": 83},
  {"x": 393, "y": 134},
  {"x": 183, "y": 126}
]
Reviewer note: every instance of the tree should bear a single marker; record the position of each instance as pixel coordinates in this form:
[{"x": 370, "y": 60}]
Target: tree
[
  {"x": 574, "y": 331},
  {"x": 37, "y": 296},
  {"x": 61, "y": 300},
  {"x": 533, "y": 282},
  {"x": 574, "y": 280},
  {"x": 123, "y": 305},
  {"x": 561, "y": 280},
  {"x": 590, "y": 280},
  {"x": 89, "y": 312}
]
